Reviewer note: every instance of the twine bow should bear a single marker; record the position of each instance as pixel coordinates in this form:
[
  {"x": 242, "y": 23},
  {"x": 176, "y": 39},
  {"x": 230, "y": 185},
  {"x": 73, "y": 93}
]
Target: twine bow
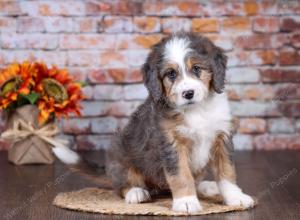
[{"x": 22, "y": 130}]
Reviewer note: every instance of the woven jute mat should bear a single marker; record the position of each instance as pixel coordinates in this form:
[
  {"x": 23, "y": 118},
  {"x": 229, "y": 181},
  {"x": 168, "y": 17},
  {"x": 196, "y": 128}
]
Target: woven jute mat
[{"x": 105, "y": 201}]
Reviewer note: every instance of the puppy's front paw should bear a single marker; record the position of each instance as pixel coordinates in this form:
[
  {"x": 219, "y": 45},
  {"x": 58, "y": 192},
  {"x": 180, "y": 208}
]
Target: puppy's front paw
[
  {"x": 239, "y": 199},
  {"x": 188, "y": 204},
  {"x": 137, "y": 195}
]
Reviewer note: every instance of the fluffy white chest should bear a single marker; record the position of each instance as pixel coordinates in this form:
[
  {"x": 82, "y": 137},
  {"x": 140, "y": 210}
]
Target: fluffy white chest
[{"x": 202, "y": 123}]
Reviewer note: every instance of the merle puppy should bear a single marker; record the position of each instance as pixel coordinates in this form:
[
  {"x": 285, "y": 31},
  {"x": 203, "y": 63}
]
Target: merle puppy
[{"x": 182, "y": 128}]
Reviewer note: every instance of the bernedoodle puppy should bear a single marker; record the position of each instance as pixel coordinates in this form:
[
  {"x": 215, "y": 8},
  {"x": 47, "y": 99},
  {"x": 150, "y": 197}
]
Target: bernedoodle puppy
[{"x": 183, "y": 128}]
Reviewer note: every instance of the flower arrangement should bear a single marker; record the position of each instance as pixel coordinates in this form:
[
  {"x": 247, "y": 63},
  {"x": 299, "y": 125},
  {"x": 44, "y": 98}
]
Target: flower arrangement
[
  {"x": 33, "y": 95},
  {"x": 52, "y": 90}
]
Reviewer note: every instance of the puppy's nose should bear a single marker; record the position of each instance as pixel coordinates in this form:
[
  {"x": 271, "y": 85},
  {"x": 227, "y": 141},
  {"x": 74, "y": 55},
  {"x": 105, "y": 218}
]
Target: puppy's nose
[{"x": 189, "y": 94}]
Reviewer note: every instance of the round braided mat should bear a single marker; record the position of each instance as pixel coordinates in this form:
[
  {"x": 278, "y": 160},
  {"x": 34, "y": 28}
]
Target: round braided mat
[{"x": 107, "y": 202}]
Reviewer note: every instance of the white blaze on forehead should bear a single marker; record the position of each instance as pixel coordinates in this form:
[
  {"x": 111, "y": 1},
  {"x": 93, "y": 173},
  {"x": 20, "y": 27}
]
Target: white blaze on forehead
[{"x": 176, "y": 50}]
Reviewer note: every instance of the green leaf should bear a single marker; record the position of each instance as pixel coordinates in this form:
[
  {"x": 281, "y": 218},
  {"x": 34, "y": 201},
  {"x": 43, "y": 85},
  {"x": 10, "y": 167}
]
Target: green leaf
[
  {"x": 82, "y": 83},
  {"x": 32, "y": 97}
]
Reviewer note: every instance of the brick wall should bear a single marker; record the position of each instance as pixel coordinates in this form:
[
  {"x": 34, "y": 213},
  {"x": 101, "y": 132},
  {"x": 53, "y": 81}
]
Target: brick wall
[{"x": 105, "y": 42}]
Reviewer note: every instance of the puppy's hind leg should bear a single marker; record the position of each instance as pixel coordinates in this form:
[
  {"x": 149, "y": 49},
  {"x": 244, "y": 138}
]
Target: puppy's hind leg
[{"x": 135, "y": 190}]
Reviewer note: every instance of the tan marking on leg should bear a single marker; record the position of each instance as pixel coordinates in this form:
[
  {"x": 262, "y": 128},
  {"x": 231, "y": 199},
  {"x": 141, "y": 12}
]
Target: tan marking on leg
[
  {"x": 181, "y": 184},
  {"x": 134, "y": 179},
  {"x": 222, "y": 165}
]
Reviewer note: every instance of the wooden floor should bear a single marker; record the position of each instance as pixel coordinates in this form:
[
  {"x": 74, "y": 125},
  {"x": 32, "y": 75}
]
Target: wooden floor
[{"x": 26, "y": 192}]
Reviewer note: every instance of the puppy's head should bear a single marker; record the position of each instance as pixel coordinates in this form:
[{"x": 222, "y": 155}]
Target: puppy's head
[{"x": 183, "y": 69}]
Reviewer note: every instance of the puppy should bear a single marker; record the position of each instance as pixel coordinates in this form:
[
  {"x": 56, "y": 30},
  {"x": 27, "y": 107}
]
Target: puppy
[{"x": 182, "y": 128}]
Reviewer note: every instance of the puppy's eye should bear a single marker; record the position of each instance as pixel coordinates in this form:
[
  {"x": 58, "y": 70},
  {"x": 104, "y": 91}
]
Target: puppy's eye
[
  {"x": 172, "y": 74},
  {"x": 196, "y": 70}
]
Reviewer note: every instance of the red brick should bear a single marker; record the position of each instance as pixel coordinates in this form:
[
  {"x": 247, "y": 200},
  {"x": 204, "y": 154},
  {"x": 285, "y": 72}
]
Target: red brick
[
  {"x": 232, "y": 94},
  {"x": 135, "y": 41},
  {"x": 58, "y": 24},
  {"x": 290, "y": 108},
  {"x": 7, "y": 24},
  {"x": 254, "y": 92},
  {"x": 127, "y": 7},
  {"x": 44, "y": 24},
  {"x": 277, "y": 142},
  {"x": 78, "y": 74},
  {"x": 30, "y": 24},
  {"x": 236, "y": 24},
  {"x": 242, "y": 75},
  {"x": 250, "y": 108},
  {"x": 105, "y": 125},
  {"x": 281, "y": 125},
  {"x": 10, "y": 8},
  {"x": 117, "y": 24},
  {"x": 114, "y": 76},
  {"x": 88, "y": 92},
  {"x": 263, "y": 92},
  {"x": 252, "y": 126},
  {"x": 265, "y": 57},
  {"x": 104, "y": 108},
  {"x": 289, "y": 24},
  {"x": 135, "y": 58},
  {"x": 251, "y": 7},
  {"x": 289, "y": 7},
  {"x": 261, "y": 41},
  {"x": 163, "y": 8},
  {"x": 50, "y": 8},
  {"x": 266, "y": 24},
  {"x": 95, "y": 108},
  {"x": 119, "y": 7},
  {"x": 87, "y": 41},
  {"x": 225, "y": 42},
  {"x": 123, "y": 108},
  {"x": 49, "y": 57},
  {"x": 29, "y": 41},
  {"x": 77, "y": 126},
  {"x": 86, "y": 24},
  {"x": 268, "y": 8},
  {"x": 286, "y": 91},
  {"x": 83, "y": 58},
  {"x": 295, "y": 40},
  {"x": 135, "y": 92},
  {"x": 97, "y": 7},
  {"x": 146, "y": 24},
  {"x": 223, "y": 8},
  {"x": 108, "y": 92},
  {"x": 113, "y": 59},
  {"x": 204, "y": 25},
  {"x": 289, "y": 56},
  {"x": 280, "y": 75},
  {"x": 174, "y": 24},
  {"x": 259, "y": 57}
]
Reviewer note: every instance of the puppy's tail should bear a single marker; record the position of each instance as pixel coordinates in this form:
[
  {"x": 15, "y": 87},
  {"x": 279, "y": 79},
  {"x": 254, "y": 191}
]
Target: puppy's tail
[{"x": 82, "y": 166}]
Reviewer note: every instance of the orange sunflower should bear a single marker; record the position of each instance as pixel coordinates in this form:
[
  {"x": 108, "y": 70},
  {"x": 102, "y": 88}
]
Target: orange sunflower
[
  {"x": 60, "y": 96},
  {"x": 14, "y": 80}
]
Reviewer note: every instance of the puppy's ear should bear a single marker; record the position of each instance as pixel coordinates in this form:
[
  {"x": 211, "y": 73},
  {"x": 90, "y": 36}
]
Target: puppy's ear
[
  {"x": 219, "y": 61},
  {"x": 152, "y": 81}
]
